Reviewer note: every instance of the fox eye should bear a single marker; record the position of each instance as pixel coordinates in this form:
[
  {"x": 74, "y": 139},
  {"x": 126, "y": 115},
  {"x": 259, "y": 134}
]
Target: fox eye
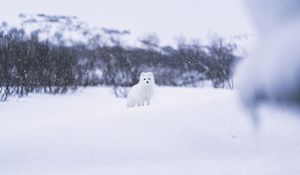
[
  {"x": 148, "y": 78},
  {"x": 144, "y": 78}
]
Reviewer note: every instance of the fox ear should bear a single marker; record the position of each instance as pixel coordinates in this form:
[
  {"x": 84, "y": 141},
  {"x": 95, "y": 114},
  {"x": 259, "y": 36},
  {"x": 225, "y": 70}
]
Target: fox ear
[{"x": 150, "y": 73}]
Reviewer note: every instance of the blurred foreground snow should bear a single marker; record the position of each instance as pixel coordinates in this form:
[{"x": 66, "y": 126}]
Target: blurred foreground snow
[{"x": 272, "y": 73}]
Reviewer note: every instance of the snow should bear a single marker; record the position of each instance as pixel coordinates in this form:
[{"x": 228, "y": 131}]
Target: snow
[
  {"x": 168, "y": 18},
  {"x": 184, "y": 131},
  {"x": 70, "y": 30},
  {"x": 270, "y": 74}
]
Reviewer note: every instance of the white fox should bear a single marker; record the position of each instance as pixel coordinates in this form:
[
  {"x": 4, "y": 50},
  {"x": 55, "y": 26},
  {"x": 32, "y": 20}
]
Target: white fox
[{"x": 141, "y": 92}]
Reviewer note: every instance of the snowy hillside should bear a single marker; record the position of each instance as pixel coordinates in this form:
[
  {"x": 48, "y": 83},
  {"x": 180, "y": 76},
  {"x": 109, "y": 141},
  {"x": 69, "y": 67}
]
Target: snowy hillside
[
  {"x": 69, "y": 30},
  {"x": 185, "y": 131}
]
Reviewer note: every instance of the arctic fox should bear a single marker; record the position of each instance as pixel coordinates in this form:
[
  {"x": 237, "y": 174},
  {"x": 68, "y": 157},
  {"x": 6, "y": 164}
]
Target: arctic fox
[{"x": 141, "y": 92}]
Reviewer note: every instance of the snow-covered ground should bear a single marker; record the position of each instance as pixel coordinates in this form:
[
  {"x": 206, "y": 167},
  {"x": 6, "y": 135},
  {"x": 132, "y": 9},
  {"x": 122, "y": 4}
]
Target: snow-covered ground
[{"x": 185, "y": 131}]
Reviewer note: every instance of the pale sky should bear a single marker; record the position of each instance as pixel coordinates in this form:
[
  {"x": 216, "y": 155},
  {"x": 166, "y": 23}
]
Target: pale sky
[{"x": 167, "y": 18}]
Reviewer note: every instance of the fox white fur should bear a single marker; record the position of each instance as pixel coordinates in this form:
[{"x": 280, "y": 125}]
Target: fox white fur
[{"x": 142, "y": 92}]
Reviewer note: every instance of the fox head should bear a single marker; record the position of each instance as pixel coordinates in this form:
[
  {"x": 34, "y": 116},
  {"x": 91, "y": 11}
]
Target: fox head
[{"x": 147, "y": 79}]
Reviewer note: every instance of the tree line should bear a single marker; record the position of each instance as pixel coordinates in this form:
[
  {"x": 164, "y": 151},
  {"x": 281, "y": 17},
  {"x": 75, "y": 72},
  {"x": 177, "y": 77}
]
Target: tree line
[{"x": 31, "y": 65}]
